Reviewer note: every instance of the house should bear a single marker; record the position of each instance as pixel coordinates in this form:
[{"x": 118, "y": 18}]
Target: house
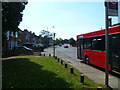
[
  {"x": 26, "y": 37},
  {"x": 9, "y": 42},
  {"x": 19, "y": 38},
  {"x": 12, "y": 40}
]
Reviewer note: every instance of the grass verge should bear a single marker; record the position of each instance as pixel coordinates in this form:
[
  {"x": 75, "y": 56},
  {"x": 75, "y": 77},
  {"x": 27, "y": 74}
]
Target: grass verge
[{"x": 41, "y": 72}]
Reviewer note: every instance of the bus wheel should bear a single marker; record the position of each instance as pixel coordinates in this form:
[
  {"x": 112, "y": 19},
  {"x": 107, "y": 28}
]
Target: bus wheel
[{"x": 87, "y": 60}]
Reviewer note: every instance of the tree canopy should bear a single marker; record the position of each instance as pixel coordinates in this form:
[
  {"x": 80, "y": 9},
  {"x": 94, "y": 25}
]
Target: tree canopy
[
  {"x": 46, "y": 37},
  {"x": 71, "y": 41},
  {"x": 46, "y": 33},
  {"x": 12, "y": 16}
]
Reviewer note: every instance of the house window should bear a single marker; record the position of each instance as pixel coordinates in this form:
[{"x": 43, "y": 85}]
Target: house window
[
  {"x": 11, "y": 34},
  {"x": 8, "y": 34},
  {"x": 16, "y": 34}
]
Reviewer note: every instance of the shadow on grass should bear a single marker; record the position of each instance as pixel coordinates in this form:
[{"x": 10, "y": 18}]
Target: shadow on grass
[{"x": 22, "y": 73}]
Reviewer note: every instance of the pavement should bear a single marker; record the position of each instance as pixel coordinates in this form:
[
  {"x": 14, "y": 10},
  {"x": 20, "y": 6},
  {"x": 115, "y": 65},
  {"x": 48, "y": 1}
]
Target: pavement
[{"x": 91, "y": 72}]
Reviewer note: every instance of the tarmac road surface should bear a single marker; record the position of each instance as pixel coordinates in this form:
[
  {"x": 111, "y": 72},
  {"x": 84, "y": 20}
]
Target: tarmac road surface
[{"x": 69, "y": 55}]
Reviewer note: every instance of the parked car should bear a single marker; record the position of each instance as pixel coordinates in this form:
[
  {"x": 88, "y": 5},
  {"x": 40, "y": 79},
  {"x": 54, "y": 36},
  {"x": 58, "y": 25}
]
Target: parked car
[
  {"x": 36, "y": 48},
  {"x": 66, "y": 45},
  {"x": 32, "y": 46},
  {"x": 60, "y": 44},
  {"x": 21, "y": 50},
  {"x": 40, "y": 45}
]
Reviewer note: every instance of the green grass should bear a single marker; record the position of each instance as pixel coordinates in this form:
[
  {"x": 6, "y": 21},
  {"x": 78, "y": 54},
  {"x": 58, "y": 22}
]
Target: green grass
[{"x": 41, "y": 72}]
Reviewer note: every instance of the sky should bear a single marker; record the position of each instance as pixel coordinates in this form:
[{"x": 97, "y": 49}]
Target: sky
[{"x": 69, "y": 18}]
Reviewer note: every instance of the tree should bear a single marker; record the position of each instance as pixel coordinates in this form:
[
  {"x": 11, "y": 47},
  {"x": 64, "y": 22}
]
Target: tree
[
  {"x": 46, "y": 33},
  {"x": 65, "y": 41},
  {"x": 46, "y": 37},
  {"x": 72, "y": 42},
  {"x": 11, "y": 16},
  {"x": 57, "y": 41}
]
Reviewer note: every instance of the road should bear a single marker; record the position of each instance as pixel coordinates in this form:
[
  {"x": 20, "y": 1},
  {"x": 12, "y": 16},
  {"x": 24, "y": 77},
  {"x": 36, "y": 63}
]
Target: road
[{"x": 69, "y": 55}]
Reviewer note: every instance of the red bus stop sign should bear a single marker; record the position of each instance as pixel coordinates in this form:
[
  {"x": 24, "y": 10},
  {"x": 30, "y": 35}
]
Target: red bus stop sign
[{"x": 112, "y": 7}]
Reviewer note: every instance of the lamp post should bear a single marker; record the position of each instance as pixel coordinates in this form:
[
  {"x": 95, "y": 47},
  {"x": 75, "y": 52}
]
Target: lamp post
[
  {"x": 50, "y": 35},
  {"x": 54, "y": 44}
]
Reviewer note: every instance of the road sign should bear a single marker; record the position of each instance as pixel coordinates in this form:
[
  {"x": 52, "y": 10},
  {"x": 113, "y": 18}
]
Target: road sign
[{"x": 112, "y": 6}]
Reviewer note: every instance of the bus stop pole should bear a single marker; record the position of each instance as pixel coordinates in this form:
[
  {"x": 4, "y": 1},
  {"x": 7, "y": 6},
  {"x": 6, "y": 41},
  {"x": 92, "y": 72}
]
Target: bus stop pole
[
  {"x": 118, "y": 11},
  {"x": 107, "y": 48}
]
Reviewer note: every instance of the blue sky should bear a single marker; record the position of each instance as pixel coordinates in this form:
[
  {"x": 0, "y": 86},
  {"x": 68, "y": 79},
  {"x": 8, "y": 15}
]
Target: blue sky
[{"x": 69, "y": 18}]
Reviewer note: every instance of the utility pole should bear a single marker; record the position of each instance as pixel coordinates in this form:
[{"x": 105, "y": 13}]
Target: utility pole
[
  {"x": 47, "y": 38},
  {"x": 54, "y": 44}
]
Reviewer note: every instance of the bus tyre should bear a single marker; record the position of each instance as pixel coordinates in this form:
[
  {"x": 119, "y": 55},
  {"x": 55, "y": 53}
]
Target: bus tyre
[{"x": 87, "y": 60}]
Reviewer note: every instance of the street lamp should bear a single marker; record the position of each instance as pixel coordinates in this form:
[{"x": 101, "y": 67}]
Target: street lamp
[{"x": 53, "y": 44}]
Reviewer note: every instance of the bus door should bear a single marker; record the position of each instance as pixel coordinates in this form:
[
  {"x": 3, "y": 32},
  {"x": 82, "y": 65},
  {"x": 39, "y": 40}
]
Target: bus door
[
  {"x": 115, "y": 52},
  {"x": 80, "y": 49}
]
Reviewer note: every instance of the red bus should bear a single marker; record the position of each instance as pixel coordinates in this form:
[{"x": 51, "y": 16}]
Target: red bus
[{"x": 91, "y": 48}]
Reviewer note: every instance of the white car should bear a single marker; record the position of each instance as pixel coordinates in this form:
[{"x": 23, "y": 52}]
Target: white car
[{"x": 66, "y": 45}]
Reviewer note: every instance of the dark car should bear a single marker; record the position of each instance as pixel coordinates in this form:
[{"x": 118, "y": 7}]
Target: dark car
[
  {"x": 60, "y": 44},
  {"x": 21, "y": 50}
]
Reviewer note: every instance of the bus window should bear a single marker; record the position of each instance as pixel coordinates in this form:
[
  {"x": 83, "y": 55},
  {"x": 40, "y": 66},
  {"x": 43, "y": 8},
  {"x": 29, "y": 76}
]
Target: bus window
[
  {"x": 87, "y": 44},
  {"x": 98, "y": 43}
]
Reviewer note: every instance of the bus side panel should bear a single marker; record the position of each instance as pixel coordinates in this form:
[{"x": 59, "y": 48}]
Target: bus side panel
[{"x": 96, "y": 57}]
